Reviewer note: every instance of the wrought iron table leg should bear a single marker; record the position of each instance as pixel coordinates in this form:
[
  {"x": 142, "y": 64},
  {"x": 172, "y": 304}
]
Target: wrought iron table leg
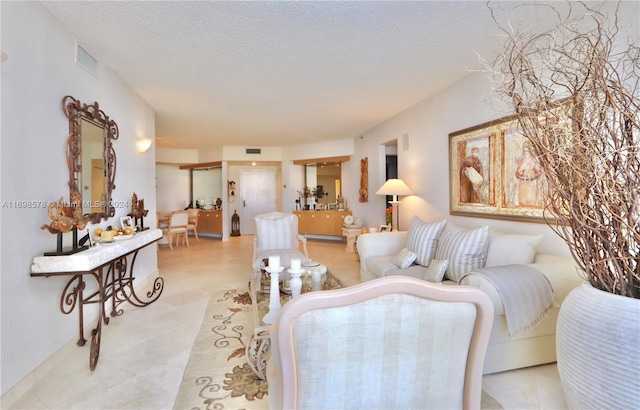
[
  {"x": 70, "y": 297},
  {"x": 96, "y": 338},
  {"x": 124, "y": 290}
]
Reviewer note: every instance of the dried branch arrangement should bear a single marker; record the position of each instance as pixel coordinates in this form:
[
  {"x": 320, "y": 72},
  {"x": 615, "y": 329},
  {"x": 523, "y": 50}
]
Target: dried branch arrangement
[{"x": 576, "y": 93}]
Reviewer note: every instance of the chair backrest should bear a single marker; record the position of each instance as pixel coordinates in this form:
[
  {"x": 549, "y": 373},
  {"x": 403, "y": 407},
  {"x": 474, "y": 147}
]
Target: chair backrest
[
  {"x": 276, "y": 230},
  {"x": 193, "y": 215},
  {"x": 395, "y": 342},
  {"x": 178, "y": 219}
]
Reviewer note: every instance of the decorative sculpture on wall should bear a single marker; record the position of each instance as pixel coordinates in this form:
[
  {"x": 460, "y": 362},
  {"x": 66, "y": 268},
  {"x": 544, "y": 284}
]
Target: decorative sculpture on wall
[{"x": 364, "y": 180}]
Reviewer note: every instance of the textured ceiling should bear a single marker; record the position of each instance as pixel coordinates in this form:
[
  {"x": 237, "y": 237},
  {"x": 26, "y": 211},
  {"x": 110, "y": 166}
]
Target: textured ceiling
[{"x": 276, "y": 73}]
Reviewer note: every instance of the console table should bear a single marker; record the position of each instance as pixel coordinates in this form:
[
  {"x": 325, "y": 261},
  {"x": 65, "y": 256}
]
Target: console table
[{"x": 109, "y": 266}]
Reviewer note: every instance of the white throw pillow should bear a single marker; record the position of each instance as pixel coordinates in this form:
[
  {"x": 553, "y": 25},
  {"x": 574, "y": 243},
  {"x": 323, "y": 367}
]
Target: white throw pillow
[
  {"x": 404, "y": 259},
  {"x": 510, "y": 249},
  {"x": 435, "y": 271},
  {"x": 465, "y": 249},
  {"x": 422, "y": 238}
]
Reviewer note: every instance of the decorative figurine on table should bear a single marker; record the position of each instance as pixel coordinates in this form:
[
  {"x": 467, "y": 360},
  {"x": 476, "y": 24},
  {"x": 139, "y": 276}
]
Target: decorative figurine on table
[
  {"x": 138, "y": 211},
  {"x": 66, "y": 218}
]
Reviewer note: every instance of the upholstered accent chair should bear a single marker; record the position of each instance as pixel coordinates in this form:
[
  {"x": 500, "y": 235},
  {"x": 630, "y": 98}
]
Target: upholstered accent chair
[
  {"x": 390, "y": 343},
  {"x": 177, "y": 228},
  {"x": 192, "y": 225},
  {"x": 277, "y": 234}
]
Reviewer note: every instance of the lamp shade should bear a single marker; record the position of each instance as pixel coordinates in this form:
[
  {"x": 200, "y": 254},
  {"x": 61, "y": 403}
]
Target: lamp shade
[{"x": 394, "y": 186}]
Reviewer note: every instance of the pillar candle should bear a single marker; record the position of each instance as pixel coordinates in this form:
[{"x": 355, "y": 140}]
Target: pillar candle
[
  {"x": 274, "y": 261},
  {"x": 295, "y": 265}
]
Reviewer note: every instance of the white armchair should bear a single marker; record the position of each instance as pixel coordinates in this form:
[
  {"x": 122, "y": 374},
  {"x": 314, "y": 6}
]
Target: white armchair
[
  {"x": 394, "y": 342},
  {"x": 277, "y": 234}
]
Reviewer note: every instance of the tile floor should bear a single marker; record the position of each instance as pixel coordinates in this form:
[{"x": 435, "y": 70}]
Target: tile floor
[{"x": 145, "y": 351}]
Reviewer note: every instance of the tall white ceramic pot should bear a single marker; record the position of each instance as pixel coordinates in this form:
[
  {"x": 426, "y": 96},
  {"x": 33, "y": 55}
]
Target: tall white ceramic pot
[{"x": 598, "y": 349}]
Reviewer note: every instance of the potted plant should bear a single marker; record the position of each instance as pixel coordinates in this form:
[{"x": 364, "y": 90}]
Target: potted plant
[
  {"x": 575, "y": 90},
  {"x": 388, "y": 213}
]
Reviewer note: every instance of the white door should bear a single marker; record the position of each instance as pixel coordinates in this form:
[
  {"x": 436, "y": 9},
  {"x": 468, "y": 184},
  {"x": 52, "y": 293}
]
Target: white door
[{"x": 258, "y": 189}]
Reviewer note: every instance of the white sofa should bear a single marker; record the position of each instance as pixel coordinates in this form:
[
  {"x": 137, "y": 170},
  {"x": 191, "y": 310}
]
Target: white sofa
[{"x": 532, "y": 347}]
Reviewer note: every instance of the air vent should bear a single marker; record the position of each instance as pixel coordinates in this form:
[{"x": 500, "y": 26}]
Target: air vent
[
  {"x": 253, "y": 151},
  {"x": 86, "y": 61}
]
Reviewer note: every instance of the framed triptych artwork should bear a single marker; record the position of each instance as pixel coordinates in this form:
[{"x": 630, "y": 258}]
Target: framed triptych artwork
[{"x": 492, "y": 174}]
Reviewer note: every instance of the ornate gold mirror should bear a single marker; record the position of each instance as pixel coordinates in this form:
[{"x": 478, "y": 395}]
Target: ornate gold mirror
[{"x": 91, "y": 158}]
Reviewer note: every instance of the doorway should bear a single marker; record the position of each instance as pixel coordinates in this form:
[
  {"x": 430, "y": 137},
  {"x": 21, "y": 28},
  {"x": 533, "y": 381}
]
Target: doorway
[
  {"x": 391, "y": 171},
  {"x": 258, "y": 193}
]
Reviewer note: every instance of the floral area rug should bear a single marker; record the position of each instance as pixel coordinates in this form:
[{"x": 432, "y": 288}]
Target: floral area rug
[{"x": 217, "y": 374}]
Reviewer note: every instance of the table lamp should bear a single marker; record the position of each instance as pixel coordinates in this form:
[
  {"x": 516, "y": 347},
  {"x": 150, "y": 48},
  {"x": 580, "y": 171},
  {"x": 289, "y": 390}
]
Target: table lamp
[{"x": 394, "y": 187}]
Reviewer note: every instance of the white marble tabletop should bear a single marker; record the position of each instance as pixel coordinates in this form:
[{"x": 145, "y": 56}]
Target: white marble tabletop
[{"x": 91, "y": 258}]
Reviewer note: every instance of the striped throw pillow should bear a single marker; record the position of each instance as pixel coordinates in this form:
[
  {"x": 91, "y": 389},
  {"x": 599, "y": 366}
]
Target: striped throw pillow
[
  {"x": 422, "y": 238},
  {"x": 276, "y": 231},
  {"x": 465, "y": 249}
]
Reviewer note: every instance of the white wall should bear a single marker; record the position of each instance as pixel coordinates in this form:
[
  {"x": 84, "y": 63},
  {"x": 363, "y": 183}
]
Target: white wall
[
  {"x": 424, "y": 164},
  {"x": 38, "y": 72},
  {"x": 177, "y": 156},
  {"x": 172, "y": 183},
  {"x": 172, "y": 187}
]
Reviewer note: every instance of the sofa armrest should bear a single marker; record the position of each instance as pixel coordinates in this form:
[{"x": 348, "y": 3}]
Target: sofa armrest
[
  {"x": 379, "y": 244},
  {"x": 562, "y": 272}
]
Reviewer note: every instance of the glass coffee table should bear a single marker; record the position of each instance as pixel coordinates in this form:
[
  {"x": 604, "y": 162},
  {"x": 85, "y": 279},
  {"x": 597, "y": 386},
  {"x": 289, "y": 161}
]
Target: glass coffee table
[{"x": 258, "y": 348}]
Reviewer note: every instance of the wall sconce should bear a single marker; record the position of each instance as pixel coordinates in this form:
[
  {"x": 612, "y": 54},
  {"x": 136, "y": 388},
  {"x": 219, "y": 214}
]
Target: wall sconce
[{"x": 143, "y": 144}]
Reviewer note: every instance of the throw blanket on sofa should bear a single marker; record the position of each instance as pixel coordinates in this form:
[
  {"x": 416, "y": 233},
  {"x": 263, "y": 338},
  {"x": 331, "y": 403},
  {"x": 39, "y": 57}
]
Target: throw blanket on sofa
[{"x": 526, "y": 294}]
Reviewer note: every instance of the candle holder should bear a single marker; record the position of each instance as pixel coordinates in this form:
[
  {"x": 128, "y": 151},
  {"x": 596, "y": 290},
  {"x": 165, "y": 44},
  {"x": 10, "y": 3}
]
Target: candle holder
[
  {"x": 295, "y": 282},
  {"x": 274, "y": 295}
]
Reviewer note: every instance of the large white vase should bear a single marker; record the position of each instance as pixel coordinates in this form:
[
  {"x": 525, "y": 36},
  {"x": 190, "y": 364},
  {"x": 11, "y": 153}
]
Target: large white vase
[{"x": 598, "y": 349}]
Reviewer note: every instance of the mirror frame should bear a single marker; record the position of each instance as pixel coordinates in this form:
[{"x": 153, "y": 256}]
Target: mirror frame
[
  {"x": 321, "y": 161},
  {"x": 75, "y": 111}
]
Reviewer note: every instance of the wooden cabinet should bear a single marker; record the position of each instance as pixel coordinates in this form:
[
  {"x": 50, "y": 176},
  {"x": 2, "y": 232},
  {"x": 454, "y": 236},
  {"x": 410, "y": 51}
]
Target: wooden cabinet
[
  {"x": 321, "y": 222},
  {"x": 210, "y": 221}
]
